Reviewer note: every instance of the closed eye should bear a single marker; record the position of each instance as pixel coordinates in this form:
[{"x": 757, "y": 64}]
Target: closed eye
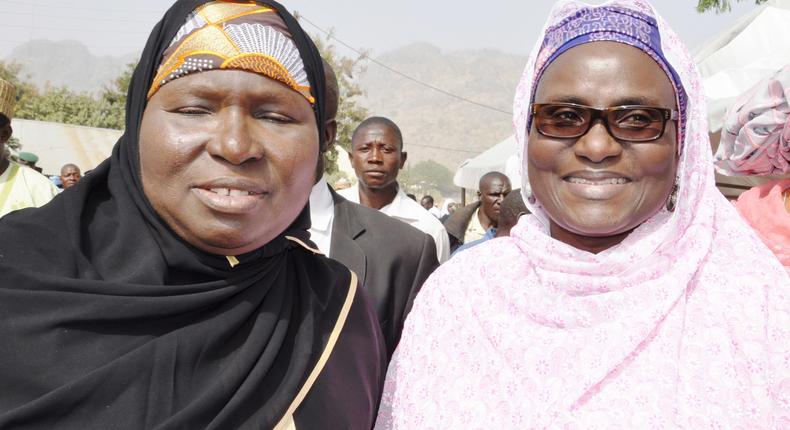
[
  {"x": 274, "y": 117},
  {"x": 193, "y": 110}
]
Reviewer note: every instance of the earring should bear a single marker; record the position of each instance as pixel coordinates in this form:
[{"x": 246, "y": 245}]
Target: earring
[
  {"x": 672, "y": 201},
  {"x": 531, "y": 198}
]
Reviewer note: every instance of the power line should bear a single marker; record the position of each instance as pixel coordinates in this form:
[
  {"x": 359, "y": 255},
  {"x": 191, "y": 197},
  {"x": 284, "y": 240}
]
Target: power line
[
  {"x": 84, "y": 18},
  {"x": 69, "y": 7},
  {"x": 444, "y": 148},
  {"x": 397, "y": 72}
]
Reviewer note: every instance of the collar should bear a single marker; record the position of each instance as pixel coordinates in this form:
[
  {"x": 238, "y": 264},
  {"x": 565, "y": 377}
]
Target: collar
[
  {"x": 404, "y": 208},
  {"x": 322, "y": 207}
]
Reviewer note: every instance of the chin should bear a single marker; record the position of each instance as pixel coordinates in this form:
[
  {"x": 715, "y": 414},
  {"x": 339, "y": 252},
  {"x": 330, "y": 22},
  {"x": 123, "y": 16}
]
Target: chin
[
  {"x": 231, "y": 241},
  {"x": 600, "y": 225}
]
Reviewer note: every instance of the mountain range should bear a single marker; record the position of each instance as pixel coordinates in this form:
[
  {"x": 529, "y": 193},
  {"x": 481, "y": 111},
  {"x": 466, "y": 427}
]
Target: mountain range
[{"x": 445, "y": 128}]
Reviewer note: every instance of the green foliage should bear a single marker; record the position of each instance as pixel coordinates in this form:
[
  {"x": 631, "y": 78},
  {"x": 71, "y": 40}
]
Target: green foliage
[
  {"x": 60, "y": 104},
  {"x": 350, "y": 112},
  {"x": 427, "y": 177},
  {"x": 719, "y": 5}
]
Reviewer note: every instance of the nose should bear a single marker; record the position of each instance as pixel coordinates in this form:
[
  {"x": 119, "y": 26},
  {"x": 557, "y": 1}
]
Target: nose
[
  {"x": 597, "y": 145},
  {"x": 375, "y": 156},
  {"x": 234, "y": 141}
]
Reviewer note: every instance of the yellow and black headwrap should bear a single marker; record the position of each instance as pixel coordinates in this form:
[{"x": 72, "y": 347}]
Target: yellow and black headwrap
[{"x": 239, "y": 35}]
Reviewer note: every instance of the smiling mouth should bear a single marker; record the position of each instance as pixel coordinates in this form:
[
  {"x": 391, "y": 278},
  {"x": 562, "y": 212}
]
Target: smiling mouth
[
  {"x": 230, "y": 192},
  {"x": 231, "y": 201},
  {"x": 600, "y": 182}
]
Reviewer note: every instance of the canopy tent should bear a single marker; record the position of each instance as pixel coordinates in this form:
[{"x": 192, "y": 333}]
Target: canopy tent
[
  {"x": 734, "y": 60},
  {"x": 501, "y": 157}
]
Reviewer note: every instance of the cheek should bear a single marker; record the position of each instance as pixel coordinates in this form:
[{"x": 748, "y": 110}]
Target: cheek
[
  {"x": 163, "y": 151},
  {"x": 655, "y": 164},
  {"x": 295, "y": 160},
  {"x": 544, "y": 154},
  {"x": 544, "y": 158}
]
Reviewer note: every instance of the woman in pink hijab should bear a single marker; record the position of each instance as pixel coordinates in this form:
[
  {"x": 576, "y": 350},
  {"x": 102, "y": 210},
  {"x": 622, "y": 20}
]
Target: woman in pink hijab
[
  {"x": 755, "y": 141},
  {"x": 636, "y": 296}
]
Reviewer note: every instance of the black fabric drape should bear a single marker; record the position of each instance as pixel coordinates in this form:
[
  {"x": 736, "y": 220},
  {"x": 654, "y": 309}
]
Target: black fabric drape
[{"x": 110, "y": 321}]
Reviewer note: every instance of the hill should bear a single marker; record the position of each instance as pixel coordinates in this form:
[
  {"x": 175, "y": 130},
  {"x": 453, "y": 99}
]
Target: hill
[
  {"x": 67, "y": 63},
  {"x": 431, "y": 120},
  {"x": 435, "y": 126}
]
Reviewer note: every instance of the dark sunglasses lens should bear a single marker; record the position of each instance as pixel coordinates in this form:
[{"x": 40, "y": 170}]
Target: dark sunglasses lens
[
  {"x": 562, "y": 121},
  {"x": 636, "y": 124}
]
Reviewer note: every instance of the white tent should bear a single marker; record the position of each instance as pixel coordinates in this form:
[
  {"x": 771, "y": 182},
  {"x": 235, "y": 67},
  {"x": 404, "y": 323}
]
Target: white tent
[
  {"x": 501, "y": 157},
  {"x": 736, "y": 59}
]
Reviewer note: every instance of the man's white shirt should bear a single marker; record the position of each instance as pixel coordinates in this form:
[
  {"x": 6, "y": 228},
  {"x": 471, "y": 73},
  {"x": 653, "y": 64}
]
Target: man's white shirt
[
  {"x": 322, "y": 215},
  {"x": 407, "y": 210}
]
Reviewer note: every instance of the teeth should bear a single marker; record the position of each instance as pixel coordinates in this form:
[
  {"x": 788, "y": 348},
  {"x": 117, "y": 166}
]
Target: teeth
[
  {"x": 238, "y": 193},
  {"x": 221, "y": 191},
  {"x": 610, "y": 181},
  {"x": 231, "y": 192}
]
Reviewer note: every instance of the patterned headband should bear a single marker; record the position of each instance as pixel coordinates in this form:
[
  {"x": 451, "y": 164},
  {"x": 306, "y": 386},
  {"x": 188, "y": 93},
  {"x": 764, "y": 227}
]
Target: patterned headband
[
  {"x": 613, "y": 24},
  {"x": 240, "y": 35}
]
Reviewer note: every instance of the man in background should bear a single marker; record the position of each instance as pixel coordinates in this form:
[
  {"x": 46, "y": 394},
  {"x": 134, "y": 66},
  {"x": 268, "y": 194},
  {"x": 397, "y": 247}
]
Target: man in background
[
  {"x": 69, "y": 175},
  {"x": 429, "y": 205},
  {"x": 472, "y": 221},
  {"x": 510, "y": 211},
  {"x": 20, "y": 186},
  {"x": 377, "y": 157},
  {"x": 391, "y": 259}
]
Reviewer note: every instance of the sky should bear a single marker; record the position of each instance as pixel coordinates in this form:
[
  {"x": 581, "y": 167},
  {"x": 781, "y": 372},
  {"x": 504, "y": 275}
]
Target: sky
[{"x": 120, "y": 27}]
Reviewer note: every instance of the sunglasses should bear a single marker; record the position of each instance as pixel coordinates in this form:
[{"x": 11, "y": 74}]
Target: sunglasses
[{"x": 627, "y": 123}]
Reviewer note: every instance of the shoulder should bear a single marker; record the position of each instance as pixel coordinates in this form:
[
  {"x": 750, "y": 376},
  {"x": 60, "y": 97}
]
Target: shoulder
[
  {"x": 33, "y": 235},
  {"x": 351, "y": 194},
  {"x": 457, "y": 223},
  {"x": 422, "y": 216},
  {"x": 382, "y": 228},
  {"x": 38, "y": 182}
]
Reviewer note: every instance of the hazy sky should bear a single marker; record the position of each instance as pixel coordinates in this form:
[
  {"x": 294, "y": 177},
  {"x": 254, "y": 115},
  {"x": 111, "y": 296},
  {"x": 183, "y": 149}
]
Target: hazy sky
[{"x": 121, "y": 26}]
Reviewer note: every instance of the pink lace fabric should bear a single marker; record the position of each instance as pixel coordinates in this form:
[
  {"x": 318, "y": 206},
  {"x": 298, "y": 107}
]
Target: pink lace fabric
[
  {"x": 686, "y": 324},
  {"x": 763, "y": 207}
]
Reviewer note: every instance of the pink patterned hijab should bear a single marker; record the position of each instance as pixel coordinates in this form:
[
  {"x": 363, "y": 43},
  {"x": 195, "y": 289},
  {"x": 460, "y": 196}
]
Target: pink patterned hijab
[{"x": 685, "y": 324}]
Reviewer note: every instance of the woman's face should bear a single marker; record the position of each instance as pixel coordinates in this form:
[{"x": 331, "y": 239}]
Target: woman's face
[
  {"x": 596, "y": 186},
  {"x": 228, "y": 158}
]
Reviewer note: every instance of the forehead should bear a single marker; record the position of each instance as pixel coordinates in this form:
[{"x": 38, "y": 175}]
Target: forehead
[
  {"x": 494, "y": 184},
  {"x": 603, "y": 74},
  {"x": 375, "y": 133},
  {"x": 220, "y": 84}
]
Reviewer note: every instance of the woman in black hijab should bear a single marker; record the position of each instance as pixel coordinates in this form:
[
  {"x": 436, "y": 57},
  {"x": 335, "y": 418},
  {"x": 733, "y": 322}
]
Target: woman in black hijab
[{"x": 176, "y": 287}]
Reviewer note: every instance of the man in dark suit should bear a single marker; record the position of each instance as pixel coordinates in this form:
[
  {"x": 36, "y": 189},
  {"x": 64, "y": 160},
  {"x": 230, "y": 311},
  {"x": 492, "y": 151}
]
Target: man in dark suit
[
  {"x": 473, "y": 221},
  {"x": 392, "y": 259}
]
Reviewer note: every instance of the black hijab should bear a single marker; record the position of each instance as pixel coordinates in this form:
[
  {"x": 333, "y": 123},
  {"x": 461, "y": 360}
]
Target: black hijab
[{"x": 111, "y": 321}]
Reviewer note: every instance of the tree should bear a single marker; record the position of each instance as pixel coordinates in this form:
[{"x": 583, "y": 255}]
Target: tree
[
  {"x": 60, "y": 104},
  {"x": 428, "y": 176},
  {"x": 719, "y": 5},
  {"x": 111, "y": 107},
  {"x": 350, "y": 112}
]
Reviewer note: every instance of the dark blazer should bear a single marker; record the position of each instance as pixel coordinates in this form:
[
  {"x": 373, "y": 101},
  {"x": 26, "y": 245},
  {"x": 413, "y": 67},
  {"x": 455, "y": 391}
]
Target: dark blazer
[
  {"x": 391, "y": 258},
  {"x": 457, "y": 224}
]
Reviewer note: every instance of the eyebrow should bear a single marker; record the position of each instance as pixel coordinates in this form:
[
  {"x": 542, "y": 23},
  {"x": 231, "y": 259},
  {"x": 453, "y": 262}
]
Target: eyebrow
[{"x": 629, "y": 100}]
